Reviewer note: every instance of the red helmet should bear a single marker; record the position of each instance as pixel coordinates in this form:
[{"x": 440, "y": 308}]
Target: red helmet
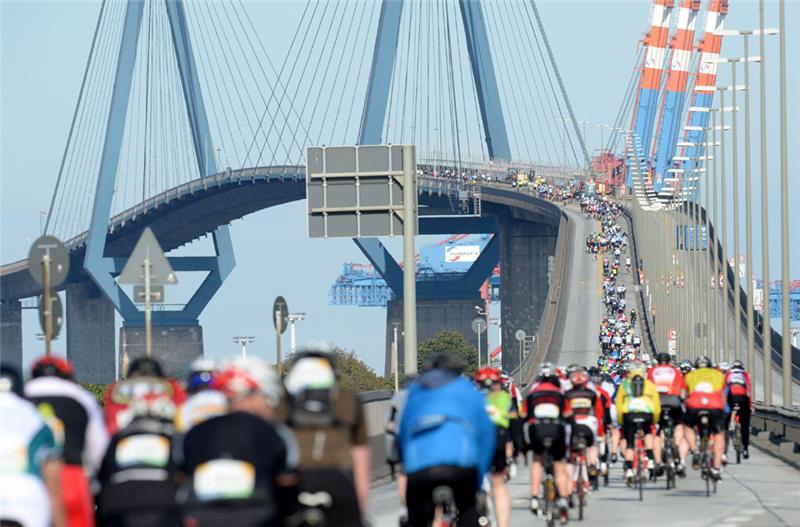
[
  {"x": 579, "y": 377},
  {"x": 52, "y": 366},
  {"x": 487, "y": 376}
]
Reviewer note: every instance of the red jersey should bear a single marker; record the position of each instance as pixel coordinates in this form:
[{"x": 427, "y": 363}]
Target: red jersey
[
  {"x": 668, "y": 380},
  {"x": 586, "y": 405},
  {"x": 738, "y": 383},
  {"x": 546, "y": 403}
]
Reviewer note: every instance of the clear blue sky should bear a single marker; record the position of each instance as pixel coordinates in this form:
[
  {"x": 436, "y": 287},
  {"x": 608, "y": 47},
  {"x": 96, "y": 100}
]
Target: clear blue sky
[{"x": 44, "y": 48}]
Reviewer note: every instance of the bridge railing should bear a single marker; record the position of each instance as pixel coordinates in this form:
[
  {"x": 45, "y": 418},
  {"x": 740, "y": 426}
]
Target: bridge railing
[{"x": 776, "y": 430}]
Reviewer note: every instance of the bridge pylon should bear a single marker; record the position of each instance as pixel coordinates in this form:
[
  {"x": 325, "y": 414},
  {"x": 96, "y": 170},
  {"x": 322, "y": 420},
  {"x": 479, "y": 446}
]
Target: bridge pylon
[{"x": 103, "y": 269}]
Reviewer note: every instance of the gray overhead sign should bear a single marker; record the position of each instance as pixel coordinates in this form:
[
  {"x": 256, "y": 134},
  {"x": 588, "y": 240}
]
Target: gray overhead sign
[{"x": 357, "y": 191}]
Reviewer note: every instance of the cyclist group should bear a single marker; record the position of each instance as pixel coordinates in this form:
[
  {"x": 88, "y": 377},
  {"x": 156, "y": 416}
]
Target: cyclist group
[{"x": 235, "y": 445}]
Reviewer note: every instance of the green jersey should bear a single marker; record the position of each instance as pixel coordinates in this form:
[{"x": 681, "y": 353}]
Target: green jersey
[{"x": 498, "y": 405}]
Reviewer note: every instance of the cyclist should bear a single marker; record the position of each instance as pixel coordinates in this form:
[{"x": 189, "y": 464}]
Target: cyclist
[
  {"x": 671, "y": 388},
  {"x": 498, "y": 405},
  {"x": 706, "y": 387},
  {"x": 241, "y": 465},
  {"x": 740, "y": 391},
  {"x": 587, "y": 416},
  {"x": 637, "y": 398},
  {"x": 548, "y": 411},
  {"x": 685, "y": 366},
  {"x": 446, "y": 439},
  {"x": 203, "y": 402},
  {"x": 30, "y": 477},
  {"x": 329, "y": 424},
  {"x": 77, "y": 424},
  {"x": 139, "y": 477}
]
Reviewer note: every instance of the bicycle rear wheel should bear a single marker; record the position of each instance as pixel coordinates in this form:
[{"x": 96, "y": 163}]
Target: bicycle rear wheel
[
  {"x": 581, "y": 490},
  {"x": 640, "y": 474}
]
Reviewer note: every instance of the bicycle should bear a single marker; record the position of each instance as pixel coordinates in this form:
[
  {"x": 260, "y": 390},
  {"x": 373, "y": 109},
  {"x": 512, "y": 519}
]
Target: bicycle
[
  {"x": 706, "y": 461},
  {"x": 580, "y": 472},
  {"x": 668, "y": 452},
  {"x": 445, "y": 513},
  {"x": 639, "y": 457},
  {"x": 314, "y": 506},
  {"x": 735, "y": 433},
  {"x": 550, "y": 512}
]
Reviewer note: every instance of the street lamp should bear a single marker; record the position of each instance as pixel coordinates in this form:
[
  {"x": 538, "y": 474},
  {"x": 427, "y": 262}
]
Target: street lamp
[
  {"x": 294, "y": 317},
  {"x": 243, "y": 342}
]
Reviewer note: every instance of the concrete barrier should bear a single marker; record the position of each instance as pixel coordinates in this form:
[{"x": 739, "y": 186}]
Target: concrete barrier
[
  {"x": 376, "y": 412},
  {"x": 776, "y": 431}
]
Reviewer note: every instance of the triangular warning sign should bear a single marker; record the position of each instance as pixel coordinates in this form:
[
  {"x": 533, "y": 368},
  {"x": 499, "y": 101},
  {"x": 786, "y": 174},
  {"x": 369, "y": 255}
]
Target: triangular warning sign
[{"x": 147, "y": 248}]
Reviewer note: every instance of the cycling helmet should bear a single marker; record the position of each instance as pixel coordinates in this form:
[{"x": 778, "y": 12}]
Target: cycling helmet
[
  {"x": 579, "y": 377},
  {"x": 10, "y": 379},
  {"x": 637, "y": 368},
  {"x": 724, "y": 367},
  {"x": 243, "y": 377},
  {"x": 201, "y": 375},
  {"x": 488, "y": 376},
  {"x": 323, "y": 350},
  {"x": 551, "y": 378},
  {"x": 52, "y": 366},
  {"x": 663, "y": 358},
  {"x": 572, "y": 368},
  {"x": 145, "y": 367},
  {"x": 546, "y": 369},
  {"x": 685, "y": 367},
  {"x": 443, "y": 360},
  {"x": 506, "y": 378},
  {"x": 703, "y": 362},
  {"x": 737, "y": 365}
]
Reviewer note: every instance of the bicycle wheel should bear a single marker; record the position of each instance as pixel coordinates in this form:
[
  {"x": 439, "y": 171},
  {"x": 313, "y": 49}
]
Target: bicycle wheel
[
  {"x": 581, "y": 490},
  {"x": 737, "y": 442},
  {"x": 640, "y": 473},
  {"x": 707, "y": 472}
]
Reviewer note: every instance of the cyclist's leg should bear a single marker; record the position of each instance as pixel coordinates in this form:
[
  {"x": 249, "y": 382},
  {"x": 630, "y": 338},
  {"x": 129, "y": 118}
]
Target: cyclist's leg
[
  {"x": 464, "y": 492},
  {"x": 744, "y": 418},
  {"x": 502, "y": 498},
  {"x": 718, "y": 436},
  {"x": 419, "y": 498}
]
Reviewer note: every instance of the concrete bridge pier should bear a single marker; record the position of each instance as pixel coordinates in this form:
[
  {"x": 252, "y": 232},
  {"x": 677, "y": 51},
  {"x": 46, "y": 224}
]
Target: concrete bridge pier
[
  {"x": 90, "y": 333},
  {"x": 11, "y": 332},
  {"x": 176, "y": 347},
  {"x": 527, "y": 251},
  {"x": 433, "y": 316}
]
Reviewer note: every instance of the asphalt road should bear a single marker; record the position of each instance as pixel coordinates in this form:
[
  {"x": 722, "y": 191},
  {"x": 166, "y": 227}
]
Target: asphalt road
[{"x": 762, "y": 492}]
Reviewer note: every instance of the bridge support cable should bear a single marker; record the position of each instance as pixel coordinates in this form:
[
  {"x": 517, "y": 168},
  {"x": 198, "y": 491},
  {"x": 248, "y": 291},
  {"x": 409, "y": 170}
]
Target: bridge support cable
[
  {"x": 75, "y": 114},
  {"x": 543, "y": 33},
  {"x": 625, "y": 105}
]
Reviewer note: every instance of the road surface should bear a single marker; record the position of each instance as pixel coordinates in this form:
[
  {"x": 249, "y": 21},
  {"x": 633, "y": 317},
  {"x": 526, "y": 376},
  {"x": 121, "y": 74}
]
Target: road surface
[{"x": 762, "y": 491}]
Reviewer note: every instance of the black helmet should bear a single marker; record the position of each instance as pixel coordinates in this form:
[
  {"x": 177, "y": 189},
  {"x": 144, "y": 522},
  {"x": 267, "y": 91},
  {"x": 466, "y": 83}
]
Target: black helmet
[
  {"x": 703, "y": 362},
  {"x": 685, "y": 366},
  {"x": 443, "y": 360},
  {"x": 10, "y": 379},
  {"x": 663, "y": 358},
  {"x": 145, "y": 367}
]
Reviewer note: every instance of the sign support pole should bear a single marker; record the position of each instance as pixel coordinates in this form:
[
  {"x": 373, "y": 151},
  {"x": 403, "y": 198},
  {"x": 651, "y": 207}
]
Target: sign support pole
[
  {"x": 147, "y": 307},
  {"x": 278, "y": 331},
  {"x": 409, "y": 267},
  {"x": 48, "y": 306}
]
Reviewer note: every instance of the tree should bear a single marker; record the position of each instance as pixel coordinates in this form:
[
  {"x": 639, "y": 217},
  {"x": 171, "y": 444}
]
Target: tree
[
  {"x": 354, "y": 374},
  {"x": 450, "y": 341}
]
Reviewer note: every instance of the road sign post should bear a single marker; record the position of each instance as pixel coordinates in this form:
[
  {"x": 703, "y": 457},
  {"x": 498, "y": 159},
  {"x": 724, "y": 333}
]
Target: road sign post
[
  {"x": 479, "y": 326},
  {"x": 369, "y": 191},
  {"x": 48, "y": 263},
  {"x": 148, "y": 270}
]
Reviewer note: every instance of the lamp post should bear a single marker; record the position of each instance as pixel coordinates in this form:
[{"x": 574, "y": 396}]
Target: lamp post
[
  {"x": 786, "y": 348},
  {"x": 293, "y": 318},
  {"x": 243, "y": 342}
]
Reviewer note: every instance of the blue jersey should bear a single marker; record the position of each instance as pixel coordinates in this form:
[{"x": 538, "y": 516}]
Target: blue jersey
[{"x": 445, "y": 423}]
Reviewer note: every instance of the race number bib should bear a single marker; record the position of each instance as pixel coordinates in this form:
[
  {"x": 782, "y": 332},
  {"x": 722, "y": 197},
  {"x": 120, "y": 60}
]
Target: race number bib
[
  {"x": 547, "y": 411},
  {"x": 704, "y": 387},
  {"x": 224, "y": 479},
  {"x": 638, "y": 405},
  {"x": 147, "y": 449}
]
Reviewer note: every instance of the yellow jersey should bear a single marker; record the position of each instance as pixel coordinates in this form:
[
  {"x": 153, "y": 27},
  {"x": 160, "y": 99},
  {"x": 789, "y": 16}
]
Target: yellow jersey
[{"x": 627, "y": 402}]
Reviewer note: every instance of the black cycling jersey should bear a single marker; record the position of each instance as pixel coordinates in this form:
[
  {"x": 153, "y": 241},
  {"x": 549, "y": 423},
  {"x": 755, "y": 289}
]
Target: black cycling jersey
[
  {"x": 235, "y": 458},
  {"x": 138, "y": 472}
]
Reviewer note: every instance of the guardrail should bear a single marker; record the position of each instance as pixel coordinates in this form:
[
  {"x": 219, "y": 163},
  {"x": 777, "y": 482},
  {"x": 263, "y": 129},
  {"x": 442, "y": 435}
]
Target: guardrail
[{"x": 776, "y": 431}]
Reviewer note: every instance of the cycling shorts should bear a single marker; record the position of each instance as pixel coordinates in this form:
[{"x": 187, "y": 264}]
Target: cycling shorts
[
  {"x": 555, "y": 433},
  {"x": 671, "y": 405},
  {"x": 499, "y": 464},
  {"x": 419, "y": 494},
  {"x": 582, "y": 431},
  {"x": 340, "y": 485},
  {"x": 629, "y": 426},
  {"x": 716, "y": 418}
]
